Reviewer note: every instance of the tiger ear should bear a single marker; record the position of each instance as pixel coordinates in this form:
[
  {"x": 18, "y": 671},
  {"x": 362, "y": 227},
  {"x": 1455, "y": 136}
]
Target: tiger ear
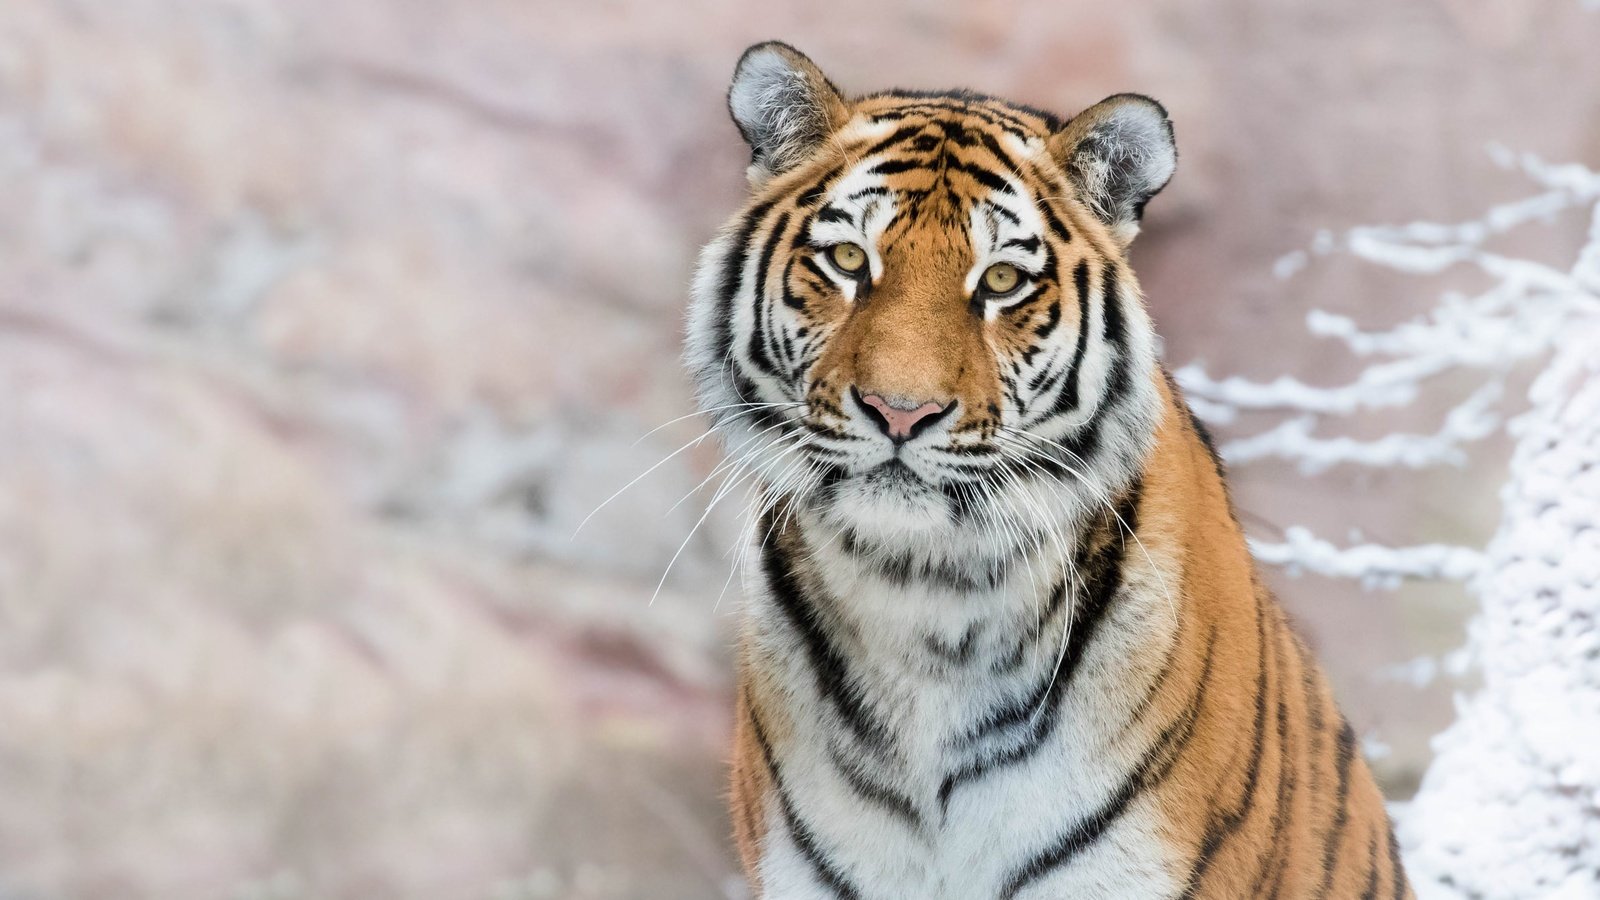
[
  {"x": 784, "y": 106},
  {"x": 1118, "y": 153}
]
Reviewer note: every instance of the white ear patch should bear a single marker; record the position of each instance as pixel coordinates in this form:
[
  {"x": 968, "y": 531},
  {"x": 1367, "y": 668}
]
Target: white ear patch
[
  {"x": 1119, "y": 153},
  {"x": 784, "y": 106}
]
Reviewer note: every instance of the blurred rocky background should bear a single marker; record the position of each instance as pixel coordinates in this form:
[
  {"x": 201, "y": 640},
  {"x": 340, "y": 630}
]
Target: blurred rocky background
[{"x": 324, "y": 325}]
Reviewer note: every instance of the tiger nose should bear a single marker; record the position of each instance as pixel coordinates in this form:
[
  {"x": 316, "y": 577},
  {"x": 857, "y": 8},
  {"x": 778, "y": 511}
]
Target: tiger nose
[{"x": 901, "y": 421}]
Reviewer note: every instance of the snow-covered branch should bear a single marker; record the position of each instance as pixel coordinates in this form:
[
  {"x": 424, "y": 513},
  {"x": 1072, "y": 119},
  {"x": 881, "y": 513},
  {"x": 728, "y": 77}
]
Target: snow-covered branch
[
  {"x": 1292, "y": 439},
  {"x": 1527, "y": 311},
  {"x": 1373, "y": 564}
]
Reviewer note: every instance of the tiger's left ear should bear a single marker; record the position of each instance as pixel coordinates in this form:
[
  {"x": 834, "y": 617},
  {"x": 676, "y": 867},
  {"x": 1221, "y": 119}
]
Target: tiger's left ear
[
  {"x": 1118, "y": 153},
  {"x": 784, "y": 106}
]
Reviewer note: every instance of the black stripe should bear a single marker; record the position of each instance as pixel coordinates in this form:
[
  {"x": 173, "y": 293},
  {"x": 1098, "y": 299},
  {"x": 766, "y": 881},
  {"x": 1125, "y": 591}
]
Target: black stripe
[
  {"x": 1019, "y": 651},
  {"x": 1068, "y": 399},
  {"x": 896, "y": 166},
  {"x": 1101, "y": 573},
  {"x": 834, "y": 214},
  {"x": 967, "y": 103},
  {"x": 1371, "y": 890},
  {"x": 1026, "y": 245},
  {"x": 733, "y": 277},
  {"x": 1085, "y": 441},
  {"x": 804, "y": 838},
  {"x": 928, "y": 110},
  {"x": 1199, "y": 427},
  {"x": 961, "y": 653},
  {"x": 810, "y": 262},
  {"x": 1397, "y": 871},
  {"x": 984, "y": 177},
  {"x": 1346, "y": 753},
  {"x": 1046, "y": 379},
  {"x": 993, "y": 146},
  {"x": 953, "y": 132},
  {"x": 1153, "y": 690},
  {"x": 1223, "y": 825},
  {"x": 1057, "y": 227},
  {"x": 1004, "y": 213},
  {"x": 826, "y": 661},
  {"x": 1280, "y": 836},
  {"x": 876, "y": 190},
  {"x": 899, "y": 135},
  {"x": 1316, "y": 717},
  {"x": 760, "y": 346},
  {"x": 789, "y": 298},
  {"x": 891, "y": 801},
  {"x": 1052, "y": 318},
  {"x": 1151, "y": 769},
  {"x": 901, "y": 569},
  {"x": 1116, "y": 333},
  {"x": 811, "y": 195},
  {"x": 1102, "y": 578}
]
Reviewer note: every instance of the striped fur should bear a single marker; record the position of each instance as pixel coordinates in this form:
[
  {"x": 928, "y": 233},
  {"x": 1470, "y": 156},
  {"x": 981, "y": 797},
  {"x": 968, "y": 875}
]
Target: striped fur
[{"x": 1024, "y": 654}]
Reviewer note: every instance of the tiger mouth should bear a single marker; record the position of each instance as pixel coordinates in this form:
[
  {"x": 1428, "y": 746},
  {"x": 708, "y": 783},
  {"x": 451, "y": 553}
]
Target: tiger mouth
[
  {"x": 892, "y": 471},
  {"x": 894, "y": 476}
]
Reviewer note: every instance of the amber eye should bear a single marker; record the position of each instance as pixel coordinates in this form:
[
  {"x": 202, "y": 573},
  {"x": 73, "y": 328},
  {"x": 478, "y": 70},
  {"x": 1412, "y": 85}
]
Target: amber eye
[
  {"x": 1001, "y": 278},
  {"x": 848, "y": 257}
]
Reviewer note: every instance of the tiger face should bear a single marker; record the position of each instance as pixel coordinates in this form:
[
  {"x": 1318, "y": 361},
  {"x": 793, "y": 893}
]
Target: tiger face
[{"x": 926, "y": 304}]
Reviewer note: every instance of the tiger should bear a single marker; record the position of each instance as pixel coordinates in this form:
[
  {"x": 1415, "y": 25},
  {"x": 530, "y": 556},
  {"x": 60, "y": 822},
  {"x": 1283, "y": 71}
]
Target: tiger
[{"x": 1003, "y": 637}]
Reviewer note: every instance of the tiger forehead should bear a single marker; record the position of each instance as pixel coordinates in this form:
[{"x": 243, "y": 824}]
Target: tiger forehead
[
  {"x": 919, "y": 146},
  {"x": 936, "y": 170},
  {"x": 968, "y": 111}
]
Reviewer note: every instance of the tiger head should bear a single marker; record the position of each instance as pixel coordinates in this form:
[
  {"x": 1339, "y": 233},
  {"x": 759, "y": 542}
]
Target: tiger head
[{"x": 926, "y": 306}]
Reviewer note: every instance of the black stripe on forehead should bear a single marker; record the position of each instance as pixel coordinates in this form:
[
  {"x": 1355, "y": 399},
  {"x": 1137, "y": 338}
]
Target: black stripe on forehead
[
  {"x": 996, "y": 209},
  {"x": 812, "y": 194},
  {"x": 972, "y": 100},
  {"x": 896, "y": 166},
  {"x": 928, "y": 128},
  {"x": 988, "y": 179},
  {"x": 990, "y": 116},
  {"x": 935, "y": 140},
  {"x": 902, "y": 134},
  {"x": 938, "y": 168}
]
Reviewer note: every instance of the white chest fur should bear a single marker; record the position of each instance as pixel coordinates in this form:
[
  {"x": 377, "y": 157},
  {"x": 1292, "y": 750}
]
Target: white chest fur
[{"x": 941, "y": 739}]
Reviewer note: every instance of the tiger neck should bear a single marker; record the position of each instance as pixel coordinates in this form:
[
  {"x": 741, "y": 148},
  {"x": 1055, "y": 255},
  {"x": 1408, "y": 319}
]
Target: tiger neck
[
  {"x": 929, "y": 667},
  {"x": 955, "y": 606},
  {"x": 898, "y": 619}
]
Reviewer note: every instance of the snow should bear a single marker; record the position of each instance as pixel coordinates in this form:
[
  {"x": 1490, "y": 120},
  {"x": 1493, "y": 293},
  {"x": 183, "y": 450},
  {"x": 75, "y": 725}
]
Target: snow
[{"x": 1510, "y": 807}]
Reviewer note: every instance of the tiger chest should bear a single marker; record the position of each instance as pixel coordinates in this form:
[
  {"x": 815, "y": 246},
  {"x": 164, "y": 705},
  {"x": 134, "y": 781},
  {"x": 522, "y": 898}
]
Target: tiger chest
[{"x": 939, "y": 761}]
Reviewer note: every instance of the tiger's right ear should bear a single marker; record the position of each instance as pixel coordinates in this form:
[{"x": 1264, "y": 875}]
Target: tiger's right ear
[{"x": 784, "y": 106}]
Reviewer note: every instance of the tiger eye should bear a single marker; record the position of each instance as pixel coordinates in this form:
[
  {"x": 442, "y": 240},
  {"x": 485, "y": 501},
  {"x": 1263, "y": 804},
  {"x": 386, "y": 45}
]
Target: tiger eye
[
  {"x": 1001, "y": 278},
  {"x": 848, "y": 257}
]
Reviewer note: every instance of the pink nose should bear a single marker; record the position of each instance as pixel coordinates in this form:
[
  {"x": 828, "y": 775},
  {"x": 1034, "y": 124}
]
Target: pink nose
[{"x": 898, "y": 422}]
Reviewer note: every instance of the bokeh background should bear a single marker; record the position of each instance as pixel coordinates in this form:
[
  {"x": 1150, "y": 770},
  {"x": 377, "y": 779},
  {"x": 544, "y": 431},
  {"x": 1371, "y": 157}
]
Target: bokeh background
[{"x": 323, "y": 325}]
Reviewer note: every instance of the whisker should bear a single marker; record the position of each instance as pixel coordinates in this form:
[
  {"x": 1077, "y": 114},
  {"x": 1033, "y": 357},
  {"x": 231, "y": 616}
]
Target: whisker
[
  {"x": 642, "y": 475},
  {"x": 1073, "y": 586},
  {"x": 733, "y": 456},
  {"x": 713, "y": 409},
  {"x": 1105, "y": 500},
  {"x": 801, "y": 469},
  {"x": 715, "y": 500}
]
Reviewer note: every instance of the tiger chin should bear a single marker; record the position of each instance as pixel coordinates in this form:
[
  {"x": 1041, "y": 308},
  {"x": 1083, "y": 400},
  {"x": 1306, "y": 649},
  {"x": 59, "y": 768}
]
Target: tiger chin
[{"x": 1005, "y": 639}]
